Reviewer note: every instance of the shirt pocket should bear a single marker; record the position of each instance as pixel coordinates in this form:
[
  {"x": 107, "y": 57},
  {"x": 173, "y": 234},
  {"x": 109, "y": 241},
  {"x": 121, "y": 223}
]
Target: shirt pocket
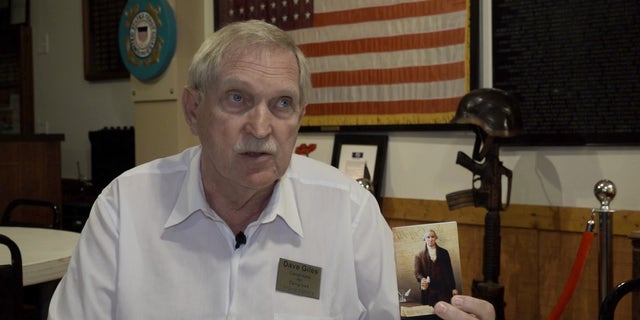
[{"x": 282, "y": 316}]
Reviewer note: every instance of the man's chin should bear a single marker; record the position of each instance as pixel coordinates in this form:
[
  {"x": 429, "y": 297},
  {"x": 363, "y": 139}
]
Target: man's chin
[{"x": 261, "y": 181}]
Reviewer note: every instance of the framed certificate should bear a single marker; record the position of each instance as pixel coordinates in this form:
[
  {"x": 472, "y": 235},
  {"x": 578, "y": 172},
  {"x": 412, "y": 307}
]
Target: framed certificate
[{"x": 361, "y": 157}]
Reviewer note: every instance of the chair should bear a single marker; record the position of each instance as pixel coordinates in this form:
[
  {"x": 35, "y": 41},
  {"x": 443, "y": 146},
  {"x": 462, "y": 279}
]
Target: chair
[
  {"x": 610, "y": 302},
  {"x": 11, "y": 294},
  {"x": 10, "y": 218}
]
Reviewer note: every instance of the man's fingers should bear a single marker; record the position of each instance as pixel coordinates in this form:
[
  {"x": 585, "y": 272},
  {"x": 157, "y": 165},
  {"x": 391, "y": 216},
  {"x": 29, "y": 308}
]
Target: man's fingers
[
  {"x": 446, "y": 311},
  {"x": 465, "y": 307}
]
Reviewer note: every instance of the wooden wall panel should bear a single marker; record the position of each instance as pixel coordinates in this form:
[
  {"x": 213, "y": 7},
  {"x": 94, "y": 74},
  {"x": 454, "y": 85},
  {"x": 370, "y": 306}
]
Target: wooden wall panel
[
  {"x": 518, "y": 270},
  {"x": 30, "y": 168}
]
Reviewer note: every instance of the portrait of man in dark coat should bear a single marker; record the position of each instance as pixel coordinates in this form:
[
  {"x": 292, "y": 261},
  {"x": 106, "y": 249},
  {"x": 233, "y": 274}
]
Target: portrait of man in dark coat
[{"x": 434, "y": 272}]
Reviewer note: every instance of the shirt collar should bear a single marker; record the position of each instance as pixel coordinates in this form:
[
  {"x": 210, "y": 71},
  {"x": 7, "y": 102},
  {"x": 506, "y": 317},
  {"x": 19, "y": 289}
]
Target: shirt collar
[
  {"x": 283, "y": 205},
  {"x": 191, "y": 199}
]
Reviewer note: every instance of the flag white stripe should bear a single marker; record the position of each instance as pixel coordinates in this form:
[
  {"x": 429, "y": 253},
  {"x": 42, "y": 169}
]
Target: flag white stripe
[
  {"x": 388, "y": 60},
  {"x": 322, "y": 6},
  {"x": 395, "y": 92},
  {"x": 376, "y": 29}
]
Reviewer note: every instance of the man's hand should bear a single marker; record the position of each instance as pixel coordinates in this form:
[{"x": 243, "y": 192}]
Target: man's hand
[
  {"x": 424, "y": 284},
  {"x": 465, "y": 307}
]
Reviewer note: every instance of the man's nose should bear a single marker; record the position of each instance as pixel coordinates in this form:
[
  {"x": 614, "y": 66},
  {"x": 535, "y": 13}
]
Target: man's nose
[{"x": 259, "y": 120}]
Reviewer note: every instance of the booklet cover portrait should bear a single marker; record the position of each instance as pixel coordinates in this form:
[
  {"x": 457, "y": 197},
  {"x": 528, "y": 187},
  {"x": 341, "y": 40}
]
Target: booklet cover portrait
[{"x": 428, "y": 265}]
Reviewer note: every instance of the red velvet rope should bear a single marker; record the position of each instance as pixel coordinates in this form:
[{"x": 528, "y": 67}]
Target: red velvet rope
[{"x": 574, "y": 276}]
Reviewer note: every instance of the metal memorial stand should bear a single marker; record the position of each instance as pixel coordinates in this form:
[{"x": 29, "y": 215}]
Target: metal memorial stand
[
  {"x": 494, "y": 114},
  {"x": 605, "y": 191},
  {"x": 488, "y": 195}
]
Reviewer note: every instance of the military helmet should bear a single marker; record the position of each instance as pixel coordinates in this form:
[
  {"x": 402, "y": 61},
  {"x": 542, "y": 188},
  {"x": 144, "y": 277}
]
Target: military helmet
[{"x": 493, "y": 110}]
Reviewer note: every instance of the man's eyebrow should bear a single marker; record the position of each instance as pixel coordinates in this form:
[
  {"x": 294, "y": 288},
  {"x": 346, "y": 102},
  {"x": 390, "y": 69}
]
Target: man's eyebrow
[{"x": 231, "y": 83}]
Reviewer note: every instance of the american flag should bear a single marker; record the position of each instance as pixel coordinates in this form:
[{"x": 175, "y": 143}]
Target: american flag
[{"x": 373, "y": 62}]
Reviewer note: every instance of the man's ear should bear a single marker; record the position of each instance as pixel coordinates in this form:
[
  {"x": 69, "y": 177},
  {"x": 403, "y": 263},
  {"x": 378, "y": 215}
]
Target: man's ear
[
  {"x": 191, "y": 100},
  {"x": 303, "y": 110}
]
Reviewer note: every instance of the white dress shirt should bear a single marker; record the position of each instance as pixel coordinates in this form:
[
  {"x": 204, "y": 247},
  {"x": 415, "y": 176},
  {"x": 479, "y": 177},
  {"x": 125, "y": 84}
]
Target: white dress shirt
[{"x": 153, "y": 249}]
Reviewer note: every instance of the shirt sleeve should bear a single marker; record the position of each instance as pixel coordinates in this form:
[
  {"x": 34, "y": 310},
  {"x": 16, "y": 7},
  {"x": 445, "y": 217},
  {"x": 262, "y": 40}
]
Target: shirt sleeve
[
  {"x": 87, "y": 289},
  {"x": 375, "y": 262}
]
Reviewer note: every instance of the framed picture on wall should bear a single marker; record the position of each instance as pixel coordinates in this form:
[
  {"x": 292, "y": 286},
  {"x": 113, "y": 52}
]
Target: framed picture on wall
[
  {"x": 101, "y": 53},
  {"x": 19, "y": 11},
  {"x": 361, "y": 157}
]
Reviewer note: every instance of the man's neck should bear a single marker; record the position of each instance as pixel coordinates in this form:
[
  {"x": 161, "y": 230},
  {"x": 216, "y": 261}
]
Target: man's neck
[{"x": 238, "y": 207}]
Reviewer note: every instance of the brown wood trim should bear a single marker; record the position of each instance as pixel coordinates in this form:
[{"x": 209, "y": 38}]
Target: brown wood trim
[{"x": 569, "y": 219}]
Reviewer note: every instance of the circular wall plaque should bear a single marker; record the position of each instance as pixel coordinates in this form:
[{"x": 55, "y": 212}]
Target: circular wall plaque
[{"x": 147, "y": 37}]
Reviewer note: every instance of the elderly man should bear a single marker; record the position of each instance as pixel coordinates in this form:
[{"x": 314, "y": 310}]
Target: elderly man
[{"x": 238, "y": 227}]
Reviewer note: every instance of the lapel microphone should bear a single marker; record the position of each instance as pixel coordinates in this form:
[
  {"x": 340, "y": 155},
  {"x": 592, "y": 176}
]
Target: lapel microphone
[{"x": 240, "y": 239}]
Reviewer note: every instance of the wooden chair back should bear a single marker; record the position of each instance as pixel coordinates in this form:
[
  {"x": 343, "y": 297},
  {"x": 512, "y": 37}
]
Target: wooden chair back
[{"x": 31, "y": 213}]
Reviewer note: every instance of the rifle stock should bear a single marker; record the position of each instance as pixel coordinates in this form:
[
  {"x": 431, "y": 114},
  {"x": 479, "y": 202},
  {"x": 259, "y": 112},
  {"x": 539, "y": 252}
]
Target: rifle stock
[
  {"x": 478, "y": 197},
  {"x": 487, "y": 195},
  {"x": 465, "y": 161}
]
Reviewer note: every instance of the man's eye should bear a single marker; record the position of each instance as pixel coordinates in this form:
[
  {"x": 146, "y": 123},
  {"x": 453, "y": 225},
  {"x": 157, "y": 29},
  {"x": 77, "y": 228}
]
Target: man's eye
[
  {"x": 235, "y": 97},
  {"x": 284, "y": 107},
  {"x": 285, "y": 103}
]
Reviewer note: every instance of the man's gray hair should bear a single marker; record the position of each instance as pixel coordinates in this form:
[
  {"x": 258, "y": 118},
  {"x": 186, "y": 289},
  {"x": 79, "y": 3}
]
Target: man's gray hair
[{"x": 235, "y": 38}]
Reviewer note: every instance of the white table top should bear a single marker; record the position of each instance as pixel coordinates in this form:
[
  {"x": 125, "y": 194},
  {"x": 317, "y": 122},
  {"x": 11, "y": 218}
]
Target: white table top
[{"x": 45, "y": 252}]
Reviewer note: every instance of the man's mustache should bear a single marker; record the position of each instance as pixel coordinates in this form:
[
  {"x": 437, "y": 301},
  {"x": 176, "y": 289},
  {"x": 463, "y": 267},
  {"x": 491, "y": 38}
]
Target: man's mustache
[{"x": 256, "y": 145}]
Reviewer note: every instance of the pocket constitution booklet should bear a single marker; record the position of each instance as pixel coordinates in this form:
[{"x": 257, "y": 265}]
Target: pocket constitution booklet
[{"x": 428, "y": 266}]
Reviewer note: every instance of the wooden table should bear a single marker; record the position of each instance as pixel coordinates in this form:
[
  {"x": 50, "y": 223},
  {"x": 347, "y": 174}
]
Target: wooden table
[{"x": 45, "y": 252}]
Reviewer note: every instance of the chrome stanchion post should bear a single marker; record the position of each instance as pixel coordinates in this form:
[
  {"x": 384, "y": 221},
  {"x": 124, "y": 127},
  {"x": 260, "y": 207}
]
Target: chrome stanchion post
[{"x": 605, "y": 191}]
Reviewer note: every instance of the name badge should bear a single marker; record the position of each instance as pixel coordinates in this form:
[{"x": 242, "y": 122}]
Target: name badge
[{"x": 298, "y": 278}]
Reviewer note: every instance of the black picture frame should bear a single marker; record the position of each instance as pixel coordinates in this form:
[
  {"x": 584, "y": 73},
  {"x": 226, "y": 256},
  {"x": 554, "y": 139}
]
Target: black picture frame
[
  {"x": 371, "y": 148},
  {"x": 101, "y": 53},
  {"x": 19, "y": 12}
]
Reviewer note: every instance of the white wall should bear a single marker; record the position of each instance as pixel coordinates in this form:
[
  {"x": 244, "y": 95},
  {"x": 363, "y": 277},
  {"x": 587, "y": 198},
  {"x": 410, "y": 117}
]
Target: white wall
[
  {"x": 422, "y": 166},
  {"x": 64, "y": 101},
  {"x": 419, "y": 165}
]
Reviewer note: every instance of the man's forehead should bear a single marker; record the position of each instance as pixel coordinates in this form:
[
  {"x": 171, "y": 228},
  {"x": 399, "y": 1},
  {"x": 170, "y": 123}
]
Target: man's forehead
[
  {"x": 237, "y": 54},
  {"x": 270, "y": 63}
]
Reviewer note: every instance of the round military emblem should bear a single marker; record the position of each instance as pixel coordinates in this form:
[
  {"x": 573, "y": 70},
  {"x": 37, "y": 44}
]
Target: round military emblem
[{"x": 147, "y": 34}]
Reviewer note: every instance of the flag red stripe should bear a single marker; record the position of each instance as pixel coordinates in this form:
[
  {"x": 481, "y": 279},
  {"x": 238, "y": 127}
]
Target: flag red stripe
[
  {"x": 398, "y": 11},
  {"x": 395, "y": 43},
  {"x": 383, "y": 107},
  {"x": 431, "y": 73}
]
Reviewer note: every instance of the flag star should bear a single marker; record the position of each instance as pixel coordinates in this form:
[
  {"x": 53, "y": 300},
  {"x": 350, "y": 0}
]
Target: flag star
[
  {"x": 231, "y": 13},
  {"x": 252, "y": 8},
  {"x": 273, "y": 4},
  {"x": 295, "y": 2},
  {"x": 285, "y": 18},
  {"x": 307, "y": 14},
  {"x": 295, "y": 16},
  {"x": 241, "y": 10},
  {"x": 284, "y": 3},
  {"x": 262, "y": 6},
  {"x": 273, "y": 19}
]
